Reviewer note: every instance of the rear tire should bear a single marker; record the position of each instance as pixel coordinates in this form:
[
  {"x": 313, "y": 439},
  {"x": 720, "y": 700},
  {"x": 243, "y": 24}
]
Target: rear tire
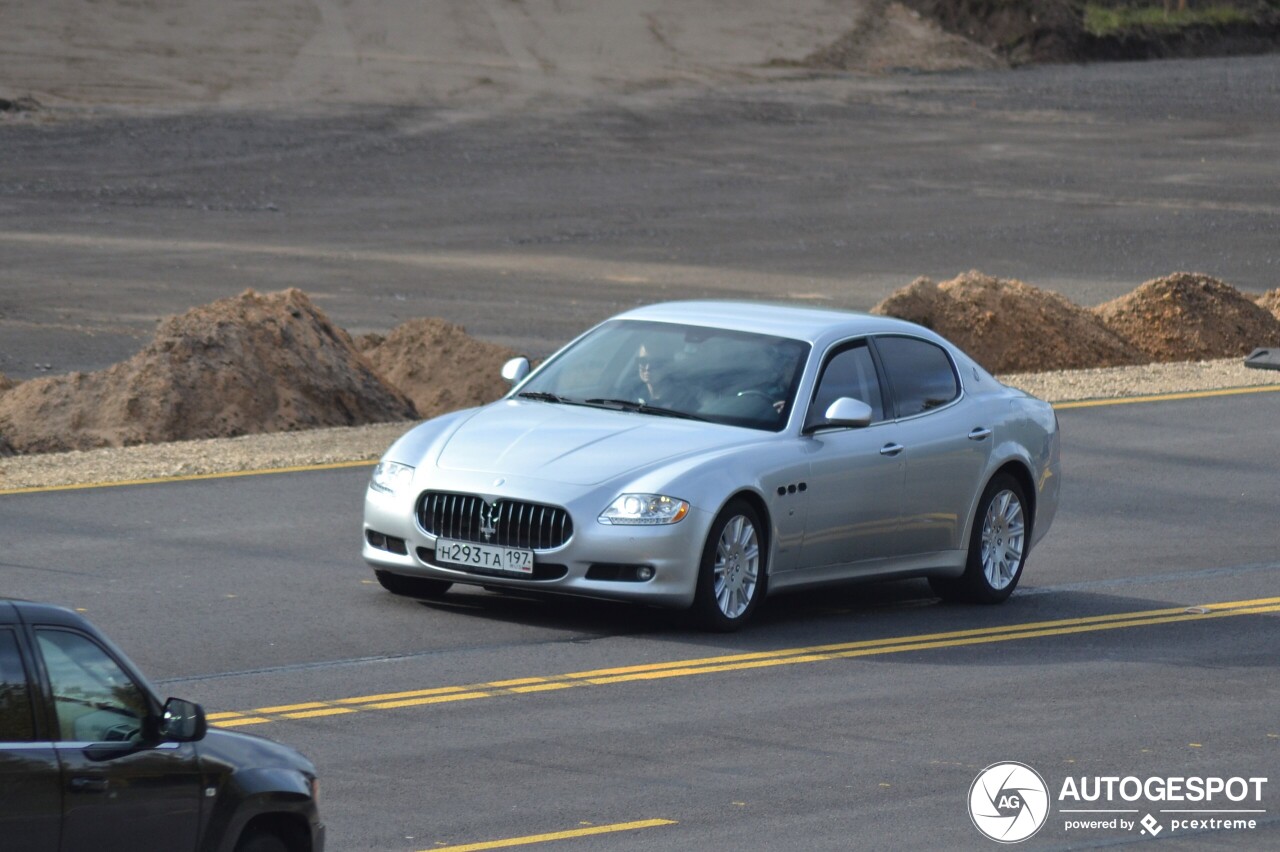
[
  {"x": 733, "y": 572},
  {"x": 998, "y": 546},
  {"x": 412, "y": 587}
]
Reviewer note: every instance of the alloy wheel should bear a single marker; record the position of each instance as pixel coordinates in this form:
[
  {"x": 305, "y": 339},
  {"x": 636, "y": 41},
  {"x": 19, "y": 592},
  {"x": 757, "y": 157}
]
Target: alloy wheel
[
  {"x": 1003, "y": 539},
  {"x": 737, "y": 566}
]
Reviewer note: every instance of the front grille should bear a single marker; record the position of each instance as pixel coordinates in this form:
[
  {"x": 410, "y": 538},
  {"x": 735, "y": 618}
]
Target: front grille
[{"x": 507, "y": 523}]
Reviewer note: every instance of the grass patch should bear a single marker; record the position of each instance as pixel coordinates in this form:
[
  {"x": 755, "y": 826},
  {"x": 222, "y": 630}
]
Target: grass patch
[{"x": 1109, "y": 20}]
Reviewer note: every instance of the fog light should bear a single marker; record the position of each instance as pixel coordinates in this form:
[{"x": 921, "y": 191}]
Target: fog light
[{"x": 644, "y": 573}]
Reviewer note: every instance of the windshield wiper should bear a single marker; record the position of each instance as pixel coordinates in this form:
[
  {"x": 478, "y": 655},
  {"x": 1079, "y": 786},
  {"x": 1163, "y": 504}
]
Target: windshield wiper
[
  {"x": 642, "y": 408},
  {"x": 542, "y": 396}
]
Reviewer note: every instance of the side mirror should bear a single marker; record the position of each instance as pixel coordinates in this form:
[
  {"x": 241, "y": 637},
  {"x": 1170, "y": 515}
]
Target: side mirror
[
  {"x": 515, "y": 370},
  {"x": 183, "y": 721},
  {"x": 847, "y": 411}
]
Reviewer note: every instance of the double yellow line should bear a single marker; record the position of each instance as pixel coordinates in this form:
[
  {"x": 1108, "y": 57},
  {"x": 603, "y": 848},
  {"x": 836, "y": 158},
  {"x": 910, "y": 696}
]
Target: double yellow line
[{"x": 742, "y": 662}]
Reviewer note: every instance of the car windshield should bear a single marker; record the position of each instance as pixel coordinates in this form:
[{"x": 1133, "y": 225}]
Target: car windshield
[{"x": 666, "y": 369}]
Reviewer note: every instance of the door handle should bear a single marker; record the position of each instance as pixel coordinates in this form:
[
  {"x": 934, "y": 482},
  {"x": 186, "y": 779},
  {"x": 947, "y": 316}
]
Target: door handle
[
  {"x": 89, "y": 785},
  {"x": 891, "y": 449},
  {"x": 979, "y": 432}
]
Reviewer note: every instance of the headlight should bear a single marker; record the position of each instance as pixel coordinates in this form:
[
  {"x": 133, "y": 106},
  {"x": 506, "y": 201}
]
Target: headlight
[
  {"x": 645, "y": 509},
  {"x": 389, "y": 477}
]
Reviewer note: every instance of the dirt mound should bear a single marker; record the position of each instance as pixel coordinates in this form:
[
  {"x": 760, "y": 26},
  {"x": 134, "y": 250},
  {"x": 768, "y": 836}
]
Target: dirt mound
[
  {"x": 1270, "y": 301},
  {"x": 250, "y": 364},
  {"x": 6, "y": 383},
  {"x": 1008, "y": 326},
  {"x": 438, "y": 365},
  {"x": 887, "y": 35},
  {"x": 1190, "y": 316}
]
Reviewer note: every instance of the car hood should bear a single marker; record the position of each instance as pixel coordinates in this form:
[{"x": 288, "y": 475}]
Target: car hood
[
  {"x": 242, "y": 751},
  {"x": 574, "y": 443}
]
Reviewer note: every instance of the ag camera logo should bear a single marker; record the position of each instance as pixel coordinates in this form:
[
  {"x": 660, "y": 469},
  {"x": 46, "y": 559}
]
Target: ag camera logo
[{"x": 1008, "y": 802}]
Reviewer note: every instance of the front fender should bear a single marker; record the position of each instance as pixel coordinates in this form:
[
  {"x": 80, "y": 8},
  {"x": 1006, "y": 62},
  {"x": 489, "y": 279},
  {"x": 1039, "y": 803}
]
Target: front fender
[{"x": 245, "y": 795}]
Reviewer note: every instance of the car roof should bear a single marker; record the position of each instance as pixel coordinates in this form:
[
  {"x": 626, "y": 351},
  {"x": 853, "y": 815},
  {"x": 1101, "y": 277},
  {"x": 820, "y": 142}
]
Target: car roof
[
  {"x": 13, "y": 610},
  {"x": 814, "y": 325}
]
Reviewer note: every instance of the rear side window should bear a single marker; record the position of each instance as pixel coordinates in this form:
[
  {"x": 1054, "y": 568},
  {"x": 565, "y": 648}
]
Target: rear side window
[
  {"x": 16, "y": 725},
  {"x": 920, "y": 374}
]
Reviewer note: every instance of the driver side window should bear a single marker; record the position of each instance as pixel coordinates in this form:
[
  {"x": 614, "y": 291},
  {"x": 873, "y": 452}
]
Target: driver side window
[
  {"x": 852, "y": 373},
  {"x": 96, "y": 701}
]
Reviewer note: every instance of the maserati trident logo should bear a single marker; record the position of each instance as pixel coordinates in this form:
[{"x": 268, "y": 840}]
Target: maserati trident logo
[
  {"x": 1008, "y": 802},
  {"x": 489, "y": 521}
]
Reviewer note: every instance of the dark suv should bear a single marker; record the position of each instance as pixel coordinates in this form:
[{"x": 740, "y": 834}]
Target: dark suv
[{"x": 90, "y": 759}]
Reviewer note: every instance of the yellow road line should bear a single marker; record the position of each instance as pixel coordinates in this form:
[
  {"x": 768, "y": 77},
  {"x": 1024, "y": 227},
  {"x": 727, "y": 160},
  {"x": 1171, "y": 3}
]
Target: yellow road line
[
  {"x": 311, "y": 714},
  {"x": 555, "y": 835},
  {"x": 1165, "y": 397},
  {"x": 396, "y": 696},
  {"x": 193, "y": 477},
  {"x": 750, "y": 661},
  {"x": 1060, "y": 406},
  {"x": 433, "y": 699}
]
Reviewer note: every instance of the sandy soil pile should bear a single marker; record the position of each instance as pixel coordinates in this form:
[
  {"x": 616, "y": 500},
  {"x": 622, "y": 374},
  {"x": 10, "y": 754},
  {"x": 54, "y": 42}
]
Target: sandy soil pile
[
  {"x": 887, "y": 35},
  {"x": 1270, "y": 301},
  {"x": 1009, "y": 326},
  {"x": 1189, "y": 316},
  {"x": 238, "y": 366},
  {"x": 438, "y": 365}
]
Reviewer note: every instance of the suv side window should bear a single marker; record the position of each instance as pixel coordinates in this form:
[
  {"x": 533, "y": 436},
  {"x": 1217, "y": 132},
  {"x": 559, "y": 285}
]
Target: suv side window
[
  {"x": 94, "y": 698},
  {"x": 920, "y": 374},
  {"x": 16, "y": 721},
  {"x": 850, "y": 372}
]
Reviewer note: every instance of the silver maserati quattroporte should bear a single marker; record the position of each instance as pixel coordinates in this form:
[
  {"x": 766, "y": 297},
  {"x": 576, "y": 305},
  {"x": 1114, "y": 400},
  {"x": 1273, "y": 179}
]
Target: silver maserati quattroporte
[{"x": 705, "y": 454}]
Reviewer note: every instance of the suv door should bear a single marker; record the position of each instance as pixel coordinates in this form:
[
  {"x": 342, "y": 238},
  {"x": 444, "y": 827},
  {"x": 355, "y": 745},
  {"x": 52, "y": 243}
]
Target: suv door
[
  {"x": 947, "y": 444},
  {"x": 30, "y": 780},
  {"x": 122, "y": 791}
]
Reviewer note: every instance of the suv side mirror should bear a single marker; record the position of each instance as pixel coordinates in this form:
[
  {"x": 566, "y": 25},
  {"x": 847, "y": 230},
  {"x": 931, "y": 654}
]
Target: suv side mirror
[
  {"x": 515, "y": 370},
  {"x": 183, "y": 721}
]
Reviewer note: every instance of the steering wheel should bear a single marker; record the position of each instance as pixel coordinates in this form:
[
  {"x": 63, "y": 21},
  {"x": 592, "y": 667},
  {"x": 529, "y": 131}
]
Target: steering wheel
[
  {"x": 122, "y": 733},
  {"x": 753, "y": 392}
]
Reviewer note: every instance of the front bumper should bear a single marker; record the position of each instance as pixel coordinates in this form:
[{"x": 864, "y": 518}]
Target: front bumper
[{"x": 673, "y": 551}]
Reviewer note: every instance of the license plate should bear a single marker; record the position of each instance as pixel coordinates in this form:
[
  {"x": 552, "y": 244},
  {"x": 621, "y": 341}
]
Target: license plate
[{"x": 489, "y": 556}]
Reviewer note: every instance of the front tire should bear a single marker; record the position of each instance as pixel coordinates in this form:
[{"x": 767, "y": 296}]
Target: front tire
[
  {"x": 261, "y": 841},
  {"x": 998, "y": 546},
  {"x": 732, "y": 575},
  {"x": 412, "y": 587}
]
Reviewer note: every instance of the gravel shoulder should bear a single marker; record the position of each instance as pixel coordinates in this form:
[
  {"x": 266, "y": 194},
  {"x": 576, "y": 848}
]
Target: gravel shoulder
[{"x": 338, "y": 446}]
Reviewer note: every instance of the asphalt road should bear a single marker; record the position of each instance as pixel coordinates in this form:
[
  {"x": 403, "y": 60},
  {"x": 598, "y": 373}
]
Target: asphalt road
[
  {"x": 475, "y": 719},
  {"x": 528, "y": 226}
]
